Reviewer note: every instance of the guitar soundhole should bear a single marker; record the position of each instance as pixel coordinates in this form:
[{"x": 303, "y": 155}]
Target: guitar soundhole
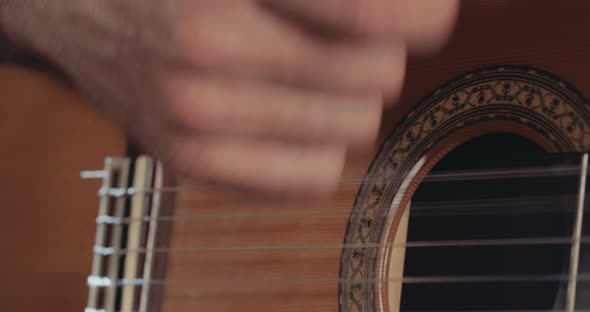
[{"x": 530, "y": 208}]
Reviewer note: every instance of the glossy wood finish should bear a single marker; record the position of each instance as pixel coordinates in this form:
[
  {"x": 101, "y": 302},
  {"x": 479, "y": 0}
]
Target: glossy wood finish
[{"x": 48, "y": 134}]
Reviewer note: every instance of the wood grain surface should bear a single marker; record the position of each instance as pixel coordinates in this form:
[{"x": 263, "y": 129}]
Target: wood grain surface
[{"x": 48, "y": 134}]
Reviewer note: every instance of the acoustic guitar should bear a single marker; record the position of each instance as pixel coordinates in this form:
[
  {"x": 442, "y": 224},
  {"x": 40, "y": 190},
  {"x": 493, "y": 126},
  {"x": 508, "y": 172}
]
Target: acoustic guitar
[{"x": 473, "y": 200}]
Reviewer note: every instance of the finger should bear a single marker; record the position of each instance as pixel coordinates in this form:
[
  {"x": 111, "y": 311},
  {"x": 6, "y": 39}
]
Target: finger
[
  {"x": 245, "y": 108},
  {"x": 426, "y": 24},
  {"x": 262, "y": 166},
  {"x": 250, "y": 42}
]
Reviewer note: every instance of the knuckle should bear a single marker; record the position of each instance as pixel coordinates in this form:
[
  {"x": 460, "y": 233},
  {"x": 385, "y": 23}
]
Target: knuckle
[
  {"x": 331, "y": 170},
  {"x": 359, "y": 18},
  {"x": 307, "y": 117},
  {"x": 371, "y": 19},
  {"x": 190, "y": 105},
  {"x": 369, "y": 122},
  {"x": 195, "y": 43},
  {"x": 444, "y": 16},
  {"x": 433, "y": 28},
  {"x": 393, "y": 72},
  {"x": 188, "y": 159}
]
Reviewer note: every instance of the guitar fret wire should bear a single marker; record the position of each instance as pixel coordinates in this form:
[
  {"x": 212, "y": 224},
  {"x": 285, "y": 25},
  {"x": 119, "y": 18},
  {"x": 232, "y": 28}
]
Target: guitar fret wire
[
  {"x": 560, "y": 171},
  {"x": 417, "y": 210},
  {"x": 459, "y": 279},
  {"x": 417, "y": 244}
]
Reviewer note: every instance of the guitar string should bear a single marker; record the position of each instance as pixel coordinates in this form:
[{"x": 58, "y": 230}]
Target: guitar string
[
  {"x": 551, "y": 310},
  {"x": 572, "y": 284},
  {"x": 559, "y": 240},
  {"x": 521, "y": 205},
  {"x": 540, "y": 172},
  {"x": 454, "y": 279}
]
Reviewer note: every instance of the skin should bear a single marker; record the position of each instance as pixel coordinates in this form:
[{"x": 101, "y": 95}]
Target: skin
[{"x": 263, "y": 94}]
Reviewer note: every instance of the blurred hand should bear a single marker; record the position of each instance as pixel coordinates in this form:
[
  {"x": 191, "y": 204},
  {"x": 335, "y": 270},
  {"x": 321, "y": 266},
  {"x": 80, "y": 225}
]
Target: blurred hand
[{"x": 267, "y": 94}]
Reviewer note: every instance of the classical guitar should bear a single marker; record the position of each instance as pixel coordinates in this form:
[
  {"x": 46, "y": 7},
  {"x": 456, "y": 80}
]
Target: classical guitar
[{"x": 473, "y": 200}]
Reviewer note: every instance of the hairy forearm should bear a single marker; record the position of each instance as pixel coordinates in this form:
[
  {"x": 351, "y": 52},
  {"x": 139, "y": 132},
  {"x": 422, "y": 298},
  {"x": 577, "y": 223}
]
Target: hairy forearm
[
  {"x": 53, "y": 28},
  {"x": 8, "y": 39},
  {"x": 14, "y": 48},
  {"x": 16, "y": 23}
]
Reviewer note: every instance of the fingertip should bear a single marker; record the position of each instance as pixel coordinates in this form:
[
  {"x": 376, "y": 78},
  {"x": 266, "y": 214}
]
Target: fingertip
[
  {"x": 332, "y": 173},
  {"x": 431, "y": 25},
  {"x": 391, "y": 95},
  {"x": 367, "y": 131},
  {"x": 315, "y": 178}
]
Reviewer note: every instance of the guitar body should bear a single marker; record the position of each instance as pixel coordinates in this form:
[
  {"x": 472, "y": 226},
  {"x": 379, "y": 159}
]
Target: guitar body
[
  {"x": 510, "y": 85},
  {"x": 48, "y": 135}
]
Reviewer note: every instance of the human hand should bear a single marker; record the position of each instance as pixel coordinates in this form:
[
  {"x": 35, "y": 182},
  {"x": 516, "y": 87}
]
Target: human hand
[{"x": 267, "y": 94}]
